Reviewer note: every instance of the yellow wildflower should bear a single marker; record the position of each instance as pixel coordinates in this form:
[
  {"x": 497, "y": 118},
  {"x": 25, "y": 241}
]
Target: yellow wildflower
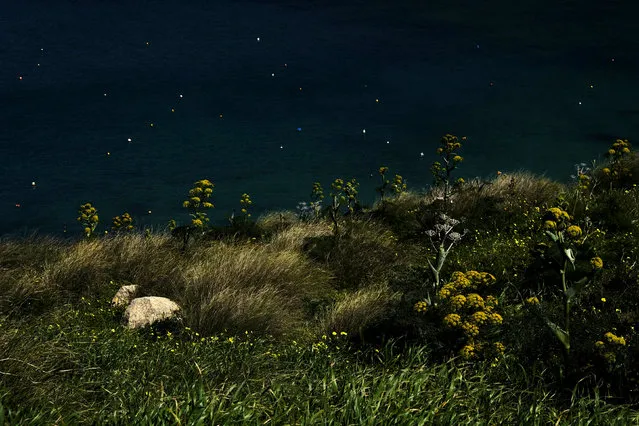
[
  {"x": 596, "y": 262},
  {"x": 491, "y": 301},
  {"x": 573, "y": 231},
  {"x": 479, "y": 317},
  {"x": 474, "y": 300},
  {"x": 467, "y": 352},
  {"x": 495, "y": 318},
  {"x": 458, "y": 302},
  {"x": 452, "y": 320},
  {"x": 532, "y": 301},
  {"x": 555, "y": 212},
  {"x": 421, "y": 306},
  {"x": 470, "y": 329},
  {"x": 550, "y": 224}
]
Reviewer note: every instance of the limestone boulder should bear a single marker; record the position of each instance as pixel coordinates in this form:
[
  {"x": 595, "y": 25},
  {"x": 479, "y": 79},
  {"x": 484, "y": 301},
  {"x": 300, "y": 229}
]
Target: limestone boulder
[
  {"x": 124, "y": 295},
  {"x": 143, "y": 311}
]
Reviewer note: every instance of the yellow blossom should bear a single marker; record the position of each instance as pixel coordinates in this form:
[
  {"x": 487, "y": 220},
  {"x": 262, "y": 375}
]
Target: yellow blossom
[
  {"x": 495, "y": 318},
  {"x": 532, "y": 301},
  {"x": 457, "y": 302},
  {"x": 470, "y": 329},
  {"x": 452, "y": 320},
  {"x": 467, "y": 352},
  {"x": 596, "y": 262},
  {"x": 479, "y": 317},
  {"x": 474, "y": 300},
  {"x": 421, "y": 306},
  {"x": 573, "y": 231}
]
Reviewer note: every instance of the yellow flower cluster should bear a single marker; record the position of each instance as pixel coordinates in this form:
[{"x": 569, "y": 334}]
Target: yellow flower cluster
[
  {"x": 318, "y": 192},
  {"x": 245, "y": 202},
  {"x": 532, "y": 301},
  {"x": 88, "y": 218},
  {"x": 398, "y": 185},
  {"x": 421, "y": 306},
  {"x": 198, "y": 200},
  {"x": 573, "y": 231},
  {"x": 614, "y": 340},
  {"x": 474, "y": 300},
  {"x": 452, "y": 320},
  {"x": 448, "y": 144},
  {"x": 457, "y": 302},
  {"x": 122, "y": 223},
  {"x": 596, "y": 262},
  {"x": 607, "y": 347},
  {"x": 619, "y": 149},
  {"x": 468, "y": 352},
  {"x": 555, "y": 218},
  {"x": 480, "y": 318},
  {"x": 467, "y": 310},
  {"x": 199, "y": 195}
]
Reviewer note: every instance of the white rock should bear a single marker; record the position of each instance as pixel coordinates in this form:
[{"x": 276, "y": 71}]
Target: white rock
[
  {"x": 124, "y": 295},
  {"x": 143, "y": 311}
]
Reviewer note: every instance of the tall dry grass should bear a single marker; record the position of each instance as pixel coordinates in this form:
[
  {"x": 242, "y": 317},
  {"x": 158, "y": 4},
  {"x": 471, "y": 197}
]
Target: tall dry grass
[
  {"x": 354, "y": 312},
  {"x": 249, "y": 288}
]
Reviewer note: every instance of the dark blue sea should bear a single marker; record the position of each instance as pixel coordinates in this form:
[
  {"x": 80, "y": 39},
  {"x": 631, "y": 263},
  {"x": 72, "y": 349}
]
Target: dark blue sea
[{"x": 267, "y": 97}]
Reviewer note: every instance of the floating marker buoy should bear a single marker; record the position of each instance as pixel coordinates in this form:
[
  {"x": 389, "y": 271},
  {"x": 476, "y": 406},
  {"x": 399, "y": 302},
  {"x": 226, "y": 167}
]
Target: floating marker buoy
[
  {"x": 151, "y": 124},
  {"x": 258, "y": 39},
  {"x": 364, "y": 131},
  {"x": 129, "y": 140},
  {"x": 299, "y": 129},
  {"x": 33, "y": 184}
]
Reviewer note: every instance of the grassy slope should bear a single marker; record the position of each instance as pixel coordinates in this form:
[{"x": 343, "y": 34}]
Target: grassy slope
[{"x": 255, "y": 342}]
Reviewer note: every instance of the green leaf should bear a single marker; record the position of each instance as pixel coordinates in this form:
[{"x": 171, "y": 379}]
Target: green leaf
[
  {"x": 552, "y": 235},
  {"x": 562, "y": 335},
  {"x": 570, "y": 293}
]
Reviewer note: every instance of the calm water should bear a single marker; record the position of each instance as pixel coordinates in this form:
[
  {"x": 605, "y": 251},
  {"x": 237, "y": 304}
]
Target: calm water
[{"x": 430, "y": 67}]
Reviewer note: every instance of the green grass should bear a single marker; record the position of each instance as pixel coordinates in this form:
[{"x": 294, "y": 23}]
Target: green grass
[
  {"x": 289, "y": 324},
  {"x": 77, "y": 366}
]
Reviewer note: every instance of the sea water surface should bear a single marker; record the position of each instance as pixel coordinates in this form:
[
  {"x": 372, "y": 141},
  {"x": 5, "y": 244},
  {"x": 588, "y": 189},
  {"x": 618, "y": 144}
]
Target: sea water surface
[{"x": 267, "y": 97}]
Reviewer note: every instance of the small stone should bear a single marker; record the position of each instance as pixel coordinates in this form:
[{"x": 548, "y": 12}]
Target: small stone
[
  {"x": 143, "y": 311},
  {"x": 124, "y": 295}
]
